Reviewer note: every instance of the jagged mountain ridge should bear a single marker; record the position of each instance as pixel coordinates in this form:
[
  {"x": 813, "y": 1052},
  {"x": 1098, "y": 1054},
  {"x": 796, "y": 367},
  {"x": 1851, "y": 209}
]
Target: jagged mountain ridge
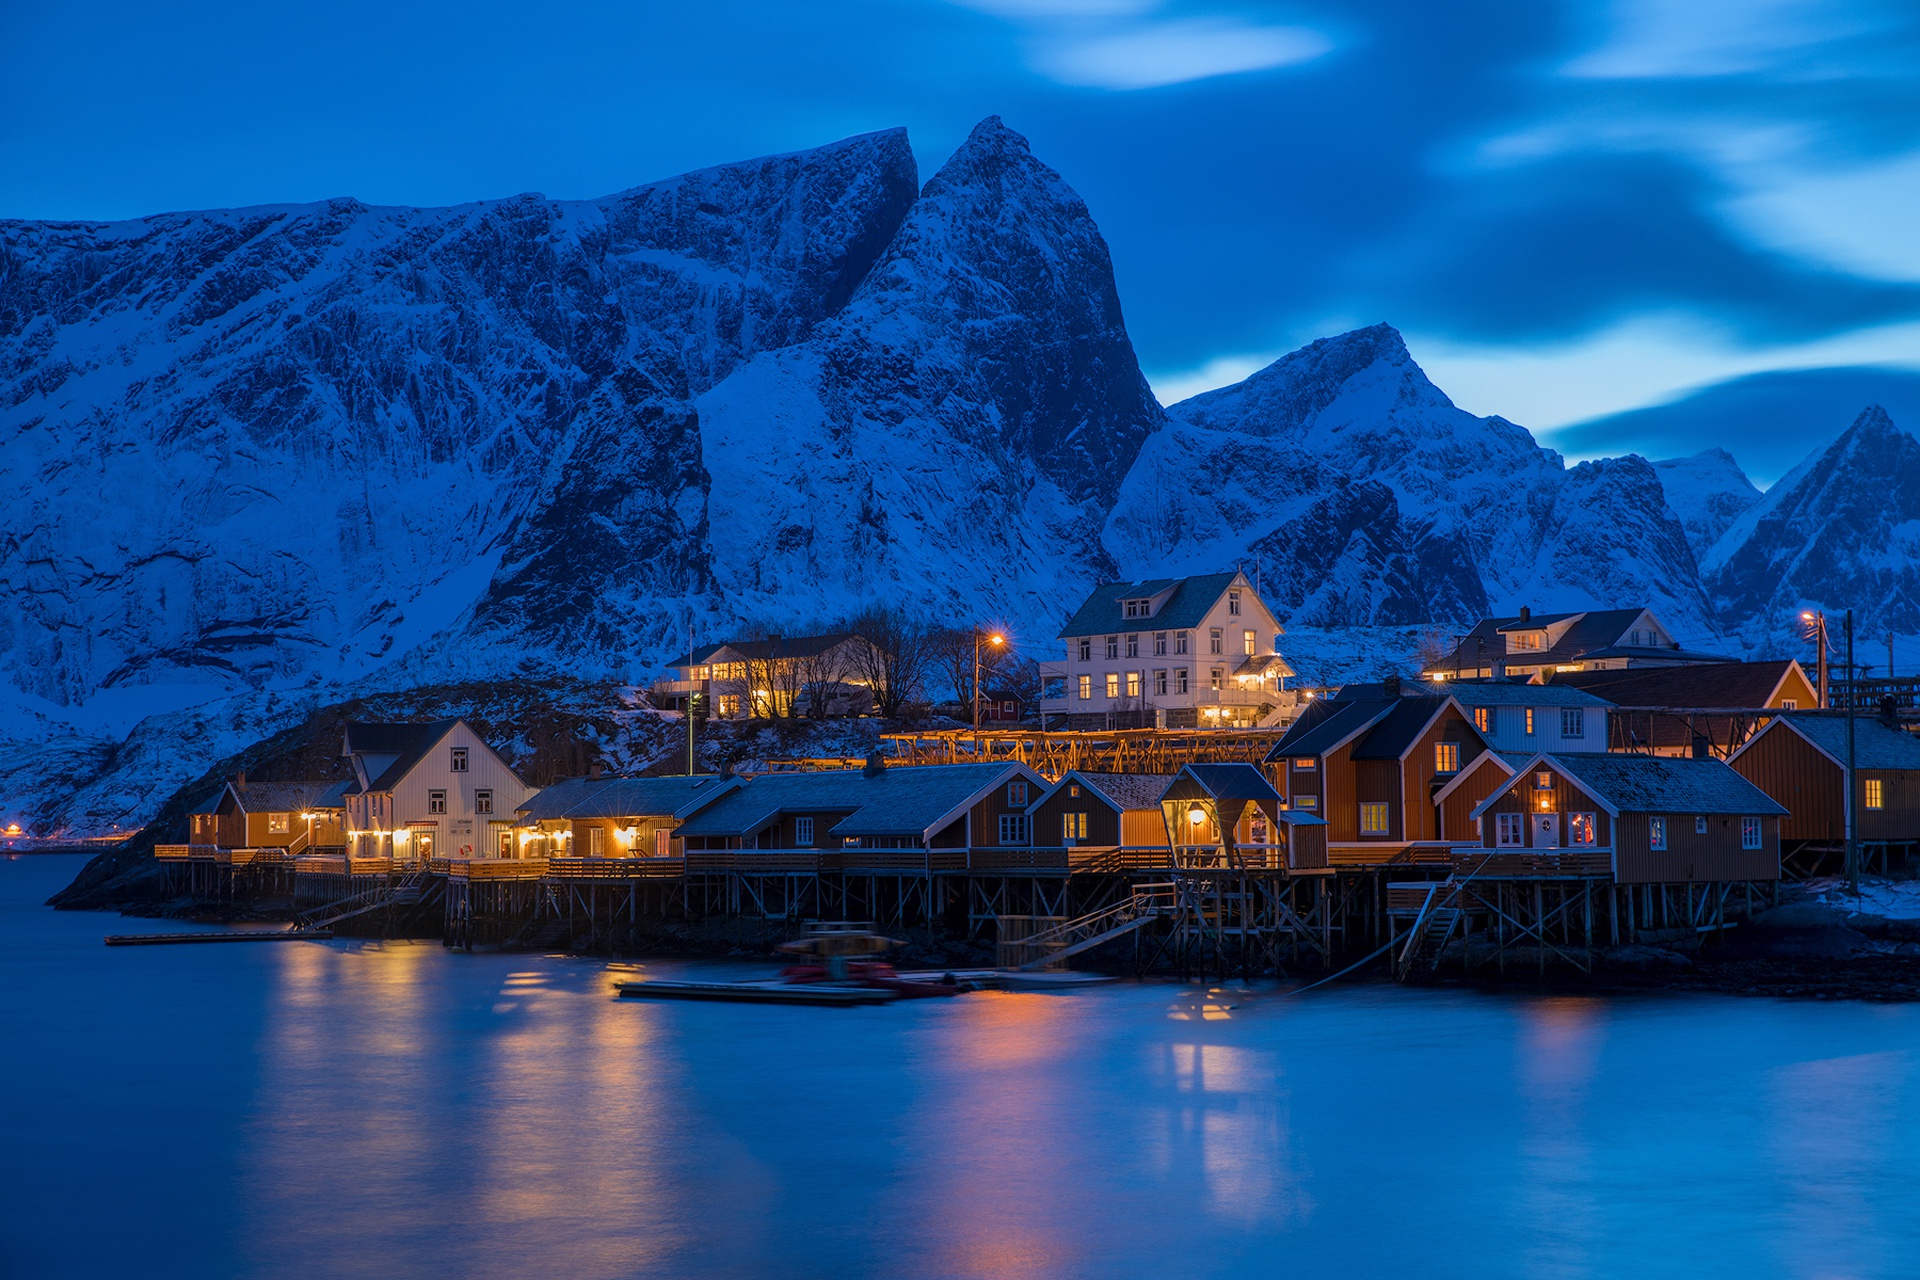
[
  {"x": 1378, "y": 501},
  {"x": 1708, "y": 492}
]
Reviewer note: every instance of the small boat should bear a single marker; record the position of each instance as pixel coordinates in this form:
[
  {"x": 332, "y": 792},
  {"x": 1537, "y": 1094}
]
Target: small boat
[{"x": 828, "y": 971}]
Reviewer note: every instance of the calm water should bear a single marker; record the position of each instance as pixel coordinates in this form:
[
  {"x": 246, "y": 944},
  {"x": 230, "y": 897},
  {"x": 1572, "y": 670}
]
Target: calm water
[{"x": 359, "y": 1109}]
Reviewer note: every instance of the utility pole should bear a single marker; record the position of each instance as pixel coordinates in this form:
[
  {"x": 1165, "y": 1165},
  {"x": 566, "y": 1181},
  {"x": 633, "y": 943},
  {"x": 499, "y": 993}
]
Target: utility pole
[
  {"x": 1853, "y": 845},
  {"x": 1817, "y": 629},
  {"x": 996, "y": 639}
]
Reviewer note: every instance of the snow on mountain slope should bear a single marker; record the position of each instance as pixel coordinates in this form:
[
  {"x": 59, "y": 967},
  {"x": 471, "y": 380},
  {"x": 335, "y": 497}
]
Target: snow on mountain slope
[
  {"x": 272, "y": 446},
  {"x": 1378, "y": 501},
  {"x": 1842, "y": 530},
  {"x": 954, "y": 437},
  {"x": 1707, "y": 492}
]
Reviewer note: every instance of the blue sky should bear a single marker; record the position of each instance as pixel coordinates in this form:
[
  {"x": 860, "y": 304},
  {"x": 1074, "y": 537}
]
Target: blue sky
[{"x": 1569, "y": 208}]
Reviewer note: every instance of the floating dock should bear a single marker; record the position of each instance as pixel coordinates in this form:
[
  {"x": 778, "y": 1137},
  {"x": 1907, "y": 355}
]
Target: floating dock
[
  {"x": 757, "y": 992},
  {"x": 237, "y": 935}
]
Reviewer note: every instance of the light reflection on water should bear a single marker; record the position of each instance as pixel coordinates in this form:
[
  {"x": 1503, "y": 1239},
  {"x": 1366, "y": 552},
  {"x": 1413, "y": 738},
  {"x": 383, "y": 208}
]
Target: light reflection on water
[{"x": 366, "y": 1109}]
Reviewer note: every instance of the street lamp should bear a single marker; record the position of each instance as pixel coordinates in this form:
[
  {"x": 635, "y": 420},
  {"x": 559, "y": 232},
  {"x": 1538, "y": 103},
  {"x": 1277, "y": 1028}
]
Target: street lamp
[
  {"x": 996, "y": 640},
  {"x": 1817, "y": 632}
]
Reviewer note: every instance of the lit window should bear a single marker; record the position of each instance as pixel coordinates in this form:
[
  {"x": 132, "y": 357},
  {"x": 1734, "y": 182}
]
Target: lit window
[
  {"x": 1306, "y": 762},
  {"x": 1749, "y": 833},
  {"x": 1233, "y": 603},
  {"x": 1017, "y": 791},
  {"x": 1180, "y": 680},
  {"x": 1133, "y": 684},
  {"x": 1247, "y": 639},
  {"x": 1529, "y": 719},
  {"x": 1543, "y": 781},
  {"x": 1573, "y": 722},
  {"x": 803, "y": 832},
  {"x": 278, "y": 822},
  {"x": 1788, "y": 704},
  {"x": 1113, "y": 646},
  {"x": 1074, "y": 791},
  {"x": 1875, "y": 798},
  {"x": 1014, "y": 828},
  {"x": 1218, "y": 676},
  {"x": 436, "y": 802},
  {"x": 1656, "y": 833},
  {"x": 1215, "y": 641},
  {"x": 1073, "y": 826},
  {"x": 596, "y": 842},
  {"x": 483, "y": 802},
  {"x": 1373, "y": 819},
  {"x": 1133, "y": 646},
  {"x": 1113, "y": 684},
  {"x": 1179, "y": 642},
  {"x": 1306, "y": 802},
  {"x": 1446, "y": 757},
  {"x": 1481, "y": 719},
  {"x": 1509, "y": 829},
  {"x": 1086, "y": 687},
  {"x": 1159, "y": 644},
  {"x": 1582, "y": 829},
  {"x": 459, "y": 762}
]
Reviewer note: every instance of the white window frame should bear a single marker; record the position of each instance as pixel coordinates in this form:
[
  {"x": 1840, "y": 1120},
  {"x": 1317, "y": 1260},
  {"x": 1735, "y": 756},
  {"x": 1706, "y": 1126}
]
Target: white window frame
[
  {"x": 457, "y": 760},
  {"x": 1306, "y": 800},
  {"x": 1251, "y": 640},
  {"x": 1015, "y": 829},
  {"x": 1216, "y": 640},
  {"x": 436, "y": 801},
  {"x": 803, "y": 831},
  {"x": 1159, "y": 644},
  {"x": 1086, "y": 687},
  {"x": 1180, "y": 680},
  {"x": 1214, "y": 679},
  {"x": 1160, "y": 682},
  {"x": 483, "y": 801},
  {"x": 1135, "y": 683},
  {"x": 1017, "y": 791},
  {"x": 1180, "y": 642},
  {"x": 279, "y": 824},
  {"x": 1752, "y": 834},
  {"x": 1592, "y": 824},
  {"x": 1113, "y": 646},
  {"x": 1113, "y": 684},
  {"x": 1086, "y": 648},
  {"x": 1573, "y": 722},
  {"x": 1441, "y": 753},
  {"x": 1133, "y": 645},
  {"x": 1509, "y": 830},
  {"x": 596, "y": 841},
  {"x": 1657, "y": 834},
  {"x": 1233, "y": 604},
  {"x": 1376, "y": 809}
]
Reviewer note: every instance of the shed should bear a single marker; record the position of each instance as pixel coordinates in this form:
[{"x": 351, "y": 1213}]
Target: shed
[{"x": 1801, "y": 760}]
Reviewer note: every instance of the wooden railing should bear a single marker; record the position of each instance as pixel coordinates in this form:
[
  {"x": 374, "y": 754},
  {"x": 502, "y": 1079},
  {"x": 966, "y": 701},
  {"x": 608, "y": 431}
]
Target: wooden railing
[
  {"x": 172, "y": 852},
  {"x": 1386, "y": 854},
  {"x": 1017, "y": 860},
  {"x": 759, "y": 860},
  {"x": 496, "y": 868},
  {"x": 1524, "y": 862},
  {"x": 320, "y": 864},
  {"x": 615, "y": 868}
]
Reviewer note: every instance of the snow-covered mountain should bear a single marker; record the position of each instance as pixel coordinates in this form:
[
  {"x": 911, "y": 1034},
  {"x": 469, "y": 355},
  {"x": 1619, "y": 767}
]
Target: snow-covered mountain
[
  {"x": 1708, "y": 492},
  {"x": 1841, "y": 530},
  {"x": 1375, "y": 500}
]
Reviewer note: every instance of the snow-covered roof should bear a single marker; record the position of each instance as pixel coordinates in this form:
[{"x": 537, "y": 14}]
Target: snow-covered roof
[
  {"x": 900, "y": 801},
  {"x": 1623, "y": 783},
  {"x": 1192, "y": 599},
  {"x": 617, "y": 797}
]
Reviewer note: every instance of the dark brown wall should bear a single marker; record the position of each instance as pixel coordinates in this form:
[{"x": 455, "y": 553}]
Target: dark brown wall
[
  {"x": 1420, "y": 819},
  {"x": 1300, "y": 782},
  {"x": 1377, "y": 782},
  {"x": 1717, "y": 855},
  {"x": 1103, "y": 821},
  {"x": 986, "y": 817},
  {"x": 1799, "y": 779},
  {"x": 1520, "y": 797},
  {"x": 1483, "y": 778}
]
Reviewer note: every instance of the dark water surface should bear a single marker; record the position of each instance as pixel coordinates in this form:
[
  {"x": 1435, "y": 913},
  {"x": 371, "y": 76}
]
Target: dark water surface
[{"x": 362, "y": 1109}]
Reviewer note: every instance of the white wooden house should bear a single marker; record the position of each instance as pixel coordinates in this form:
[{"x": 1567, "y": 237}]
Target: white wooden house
[{"x": 429, "y": 791}]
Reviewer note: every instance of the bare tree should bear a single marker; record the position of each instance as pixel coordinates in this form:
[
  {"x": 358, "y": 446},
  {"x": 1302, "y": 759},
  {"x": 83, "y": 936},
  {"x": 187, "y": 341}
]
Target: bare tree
[
  {"x": 954, "y": 650},
  {"x": 1433, "y": 648},
  {"x": 1021, "y": 678},
  {"x": 893, "y": 661},
  {"x": 819, "y": 674}
]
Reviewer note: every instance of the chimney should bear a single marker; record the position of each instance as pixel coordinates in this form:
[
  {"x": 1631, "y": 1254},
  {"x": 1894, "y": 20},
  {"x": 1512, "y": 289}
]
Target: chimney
[
  {"x": 726, "y": 770},
  {"x": 593, "y": 771},
  {"x": 1391, "y": 686},
  {"x": 1526, "y": 613},
  {"x": 240, "y": 780},
  {"x": 1702, "y": 747},
  {"x": 1889, "y": 712},
  {"x": 875, "y": 766}
]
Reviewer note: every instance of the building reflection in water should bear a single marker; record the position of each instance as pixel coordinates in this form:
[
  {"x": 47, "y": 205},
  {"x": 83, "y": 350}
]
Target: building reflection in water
[{"x": 1557, "y": 1051}]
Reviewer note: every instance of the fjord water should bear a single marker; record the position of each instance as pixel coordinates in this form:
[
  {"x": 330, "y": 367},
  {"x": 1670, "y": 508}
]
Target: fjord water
[{"x": 364, "y": 1109}]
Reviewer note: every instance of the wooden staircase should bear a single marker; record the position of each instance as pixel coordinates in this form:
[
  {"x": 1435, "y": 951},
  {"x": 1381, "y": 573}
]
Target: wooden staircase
[
  {"x": 1147, "y": 902},
  {"x": 408, "y": 890}
]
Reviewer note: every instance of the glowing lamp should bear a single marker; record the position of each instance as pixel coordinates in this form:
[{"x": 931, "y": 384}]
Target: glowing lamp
[
  {"x": 1196, "y": 815},
  {"x": 996, "y": 639}
]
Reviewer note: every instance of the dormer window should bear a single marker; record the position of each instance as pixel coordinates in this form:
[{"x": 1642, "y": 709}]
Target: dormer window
[
  {"x": 1137, "y": 608},
  {"x": 1530, "y": 640}
]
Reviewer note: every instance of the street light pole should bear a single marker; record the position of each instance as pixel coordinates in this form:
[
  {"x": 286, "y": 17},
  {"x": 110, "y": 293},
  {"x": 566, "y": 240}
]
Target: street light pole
[
  {"x": 1853, "y": 844},
  {"x": 1817, "y": 631},
  {"x": 996, "y": 639}
]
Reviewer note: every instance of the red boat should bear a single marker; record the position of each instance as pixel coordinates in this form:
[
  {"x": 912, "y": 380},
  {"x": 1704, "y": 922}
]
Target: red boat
[{"x": 831, "y": 960}]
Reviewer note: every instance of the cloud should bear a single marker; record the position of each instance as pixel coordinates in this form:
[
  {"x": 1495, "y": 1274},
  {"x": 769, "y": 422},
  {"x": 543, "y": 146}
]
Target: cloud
[
  {"x": 1700, "y": 38},
  {"x": 1150, "y": 55},
  {"x": 1859, "y": 219}
]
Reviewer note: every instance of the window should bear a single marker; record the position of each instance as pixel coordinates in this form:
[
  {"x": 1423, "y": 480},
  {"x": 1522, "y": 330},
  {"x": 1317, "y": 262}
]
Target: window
[
  {"x": 1875, "y": 798},
  {"x": 1113, "y": 646},
  {"x": 1788, "y": 704},
  {"x": 1656, "y": 833},
  {"x": 1373, "y": 819},
  {"x": 1159, "y": 644},
  {"x": 803, "y": 832},
  {"x": 1086, "y": 687},
  {"x": 1160, "y": 684},
  {"x": 436, "y": 802},
  {"x": 1179, "y": 642},
  {"x": 1113, "y": 684},
  {"x": 1749, "y": 833},
  {"x": 1247, "y": 640},
  {"x": 1133, "y": 684},
  {"x": 1133, "y": 646},
  {"x": 483, "y": 802},
  {"x": 1582, "y": 829},
  {"x": 1446, "y": 757},
  {"x": 1700, "y": 826},
  {"x": 278, "y": 822},
  {"x": 1134, "y": 609},
  {"x": 1306, "y": 762},
  {"x": 1014, "y": 828},
  {"x": 1509, "y": 830},
  {"x": 1073, "y": 826},
  {"x": 1530, "y": 640},
  {"x": 1529, "y": 719},
  {"x": 1180, "y": 680},
  {"x": 1086, "y": 648},
  {"x": 1215, "y": 640},
  {"x": 1306, "y": 802},
  {"x": 1573, "y": 722},
  {"x": 1017, "y": 791},
  {"x": 1233, "y": 603},
  {"x": 1543, "y": 781},
  {"x": 1481, "y": 720},
  {"x": 1218, "y": 675},
  {"x": 459, "y": 762}
]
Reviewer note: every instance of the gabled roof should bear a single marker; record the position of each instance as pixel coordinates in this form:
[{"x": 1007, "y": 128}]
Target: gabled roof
[
  {"x": 1875, "y": 746},
  {"x": 1397, "y": 731},
  {"x": 1184, "y": 610},
  {"x": 763, "y": 649},
  {"x": 1513, "y": 693},
  {"x": 408, "y": 743},
  {"x": 210, "y": 805},
  {"x": 1505, "y": 761},
  {"x": 1622, "y": 783},
  {"x": 618, "y": 797},
  {"x": 904, "y": 801},
  {"x": 1327, "y": 723},
  {"x": 1121, "y": 791},
  {"x": 1731, "y": 685},
  {"x": 1590, "y": 632},
  {"x": 1230, "y": 781},
  {"x": 285, "y": 797}
]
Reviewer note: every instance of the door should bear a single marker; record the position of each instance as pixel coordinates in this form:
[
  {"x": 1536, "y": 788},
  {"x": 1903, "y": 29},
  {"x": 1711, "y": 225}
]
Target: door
[{"x": 1546, "y": 831}]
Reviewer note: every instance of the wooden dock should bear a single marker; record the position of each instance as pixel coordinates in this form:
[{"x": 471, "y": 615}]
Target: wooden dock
[{"x": 236, "y": 935}]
